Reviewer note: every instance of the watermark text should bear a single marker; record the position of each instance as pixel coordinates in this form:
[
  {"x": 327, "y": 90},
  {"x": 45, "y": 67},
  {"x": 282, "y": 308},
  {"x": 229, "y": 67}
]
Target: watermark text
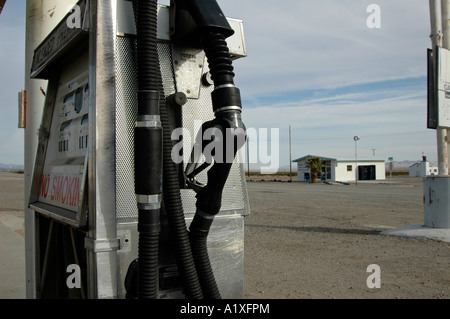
[{"x": 374, "y": 280}]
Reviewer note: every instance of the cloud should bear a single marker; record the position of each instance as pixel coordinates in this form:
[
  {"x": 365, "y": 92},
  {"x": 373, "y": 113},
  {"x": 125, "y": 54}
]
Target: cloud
[{"x": 296, "y": 45}]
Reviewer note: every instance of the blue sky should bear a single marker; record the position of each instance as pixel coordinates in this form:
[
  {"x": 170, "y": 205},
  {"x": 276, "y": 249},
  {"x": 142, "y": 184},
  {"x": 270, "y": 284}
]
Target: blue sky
[
  {"x": 12, "y": 59},
  {"x": 314, "y": 65}
]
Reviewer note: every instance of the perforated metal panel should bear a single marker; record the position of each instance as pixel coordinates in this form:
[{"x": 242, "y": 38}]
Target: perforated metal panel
[
  {"x": 234, "y": 197},
  {"x": 126, "y": 113}
]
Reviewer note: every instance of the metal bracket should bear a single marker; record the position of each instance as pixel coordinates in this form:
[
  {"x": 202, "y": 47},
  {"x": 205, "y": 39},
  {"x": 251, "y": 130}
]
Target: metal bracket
[{"x": 188, "y": 66}]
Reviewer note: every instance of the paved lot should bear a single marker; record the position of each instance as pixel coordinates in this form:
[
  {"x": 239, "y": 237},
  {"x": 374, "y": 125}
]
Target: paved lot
[{"x": 301, "y": 241}]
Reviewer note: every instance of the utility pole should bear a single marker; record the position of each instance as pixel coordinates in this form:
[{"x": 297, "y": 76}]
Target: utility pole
[
  {"x": 437, "y": 41},
  {"x": 436, "y": 194}
]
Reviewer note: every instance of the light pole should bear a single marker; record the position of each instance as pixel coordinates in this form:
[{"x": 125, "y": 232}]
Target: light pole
[
  {"x": 290, "y": 156},
  {"x": 356, "y": 139}
]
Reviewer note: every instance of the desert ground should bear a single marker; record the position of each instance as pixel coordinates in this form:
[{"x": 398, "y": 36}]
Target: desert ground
[
  {"x": 306, "y": 240},
  {"x": 302, "y": 241}
]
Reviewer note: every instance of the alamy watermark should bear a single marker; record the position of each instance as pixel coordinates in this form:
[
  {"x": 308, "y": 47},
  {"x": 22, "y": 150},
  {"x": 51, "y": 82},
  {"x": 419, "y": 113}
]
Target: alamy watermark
[
  {"x": 74, "y": 279},
  {"x": 214, "y": 145},
  {"x": 374, "y": 280},
  {"x": 374, "y": 19},
  {"x": 74, "y": 19}
]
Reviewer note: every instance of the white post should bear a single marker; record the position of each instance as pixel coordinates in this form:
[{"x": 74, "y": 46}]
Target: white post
[
  {"x": 436, "y": 40},
  {"x": 445, "y": 22},
  {"x": 437, "y": 188}
]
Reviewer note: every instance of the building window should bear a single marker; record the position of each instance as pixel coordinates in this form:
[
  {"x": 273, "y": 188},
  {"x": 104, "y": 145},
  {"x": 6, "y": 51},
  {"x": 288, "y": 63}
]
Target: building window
[{"x": 349, "y": 168}]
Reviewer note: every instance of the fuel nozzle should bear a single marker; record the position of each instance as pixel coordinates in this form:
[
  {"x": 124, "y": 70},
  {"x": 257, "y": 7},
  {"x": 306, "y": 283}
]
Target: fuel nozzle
[
  {"x": 220, "y": 140},
  {"x": 228, "y": 135},
  {"x": 203, "y": 22}
]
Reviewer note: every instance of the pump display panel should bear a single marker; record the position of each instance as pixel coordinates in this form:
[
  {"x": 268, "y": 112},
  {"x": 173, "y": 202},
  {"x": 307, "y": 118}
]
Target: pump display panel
[{"x": 63, "y": 177}]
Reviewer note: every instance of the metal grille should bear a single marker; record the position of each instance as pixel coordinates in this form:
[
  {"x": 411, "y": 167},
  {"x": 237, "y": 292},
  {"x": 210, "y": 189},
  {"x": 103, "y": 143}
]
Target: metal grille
[{"x": 126, "y": 113}]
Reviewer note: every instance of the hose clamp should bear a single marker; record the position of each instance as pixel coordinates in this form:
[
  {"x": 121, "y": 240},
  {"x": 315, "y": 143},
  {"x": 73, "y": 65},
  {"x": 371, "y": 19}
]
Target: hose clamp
[
  {"x": 148, "y": 121},
  {"x": 228, "y": 108},
  {"x": 222, "y": 86},
  {"x": 204, "y": 215},
  {"x": 148, "y": 202}
]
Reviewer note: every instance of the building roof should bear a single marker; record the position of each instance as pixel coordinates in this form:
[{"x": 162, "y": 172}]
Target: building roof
[
  {"x": 341, "y": 159},
  {"x": 420, "y": 163},
  {"x": 416, "y": 164}
]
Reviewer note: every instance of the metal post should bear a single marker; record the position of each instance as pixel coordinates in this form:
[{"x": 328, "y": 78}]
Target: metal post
[
  {"x": 390, "y": 173},
  {"x": 38, "y": 26},
  {"x": 443, "y": 137},
  {"x": 436, "y": 212},
  {"x": 356, "y": 139},
  {"x": 436, "y": 40},
  {"x": 101, "y": 241},
  {"x": 290, "y": 156}
]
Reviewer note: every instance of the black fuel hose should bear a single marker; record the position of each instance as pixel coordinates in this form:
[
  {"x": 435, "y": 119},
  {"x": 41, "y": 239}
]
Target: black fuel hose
[
  {"x": 227, "y": 109},
  {"x": 148, "y": 151},
  {"x": 175, "y": 217},
  {"x": 150, "y": 74}
]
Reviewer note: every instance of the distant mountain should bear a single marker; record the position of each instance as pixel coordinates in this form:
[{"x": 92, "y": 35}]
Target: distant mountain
[{"x": 12, "y": 167}]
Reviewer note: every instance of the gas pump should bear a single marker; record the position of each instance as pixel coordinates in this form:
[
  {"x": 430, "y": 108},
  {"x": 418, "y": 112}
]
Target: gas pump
[{"x": 114, "y": 195}]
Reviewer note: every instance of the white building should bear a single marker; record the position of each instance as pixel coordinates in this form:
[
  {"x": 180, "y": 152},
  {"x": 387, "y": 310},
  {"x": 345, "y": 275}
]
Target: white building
[
  {"x": 343, "y": 169},
  {"x": 422, "y": 169}
]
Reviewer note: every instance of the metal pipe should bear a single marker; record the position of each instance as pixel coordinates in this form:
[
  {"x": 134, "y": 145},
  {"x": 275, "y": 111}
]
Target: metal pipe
[
  {"x": 75, "y": 256},
  {"x": 442, "y": 134},
  {"x": 290, "y": 155},
  {"x": 46, "y": 257}
]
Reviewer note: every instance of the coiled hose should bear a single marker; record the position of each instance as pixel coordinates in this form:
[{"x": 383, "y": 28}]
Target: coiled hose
[{"x": 219, "y": 59}]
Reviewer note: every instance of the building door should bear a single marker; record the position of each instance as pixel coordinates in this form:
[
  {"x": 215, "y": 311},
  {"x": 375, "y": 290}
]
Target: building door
[
  {"x": 326, "y": 170},
  {"x": 366, "y": 173}
]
